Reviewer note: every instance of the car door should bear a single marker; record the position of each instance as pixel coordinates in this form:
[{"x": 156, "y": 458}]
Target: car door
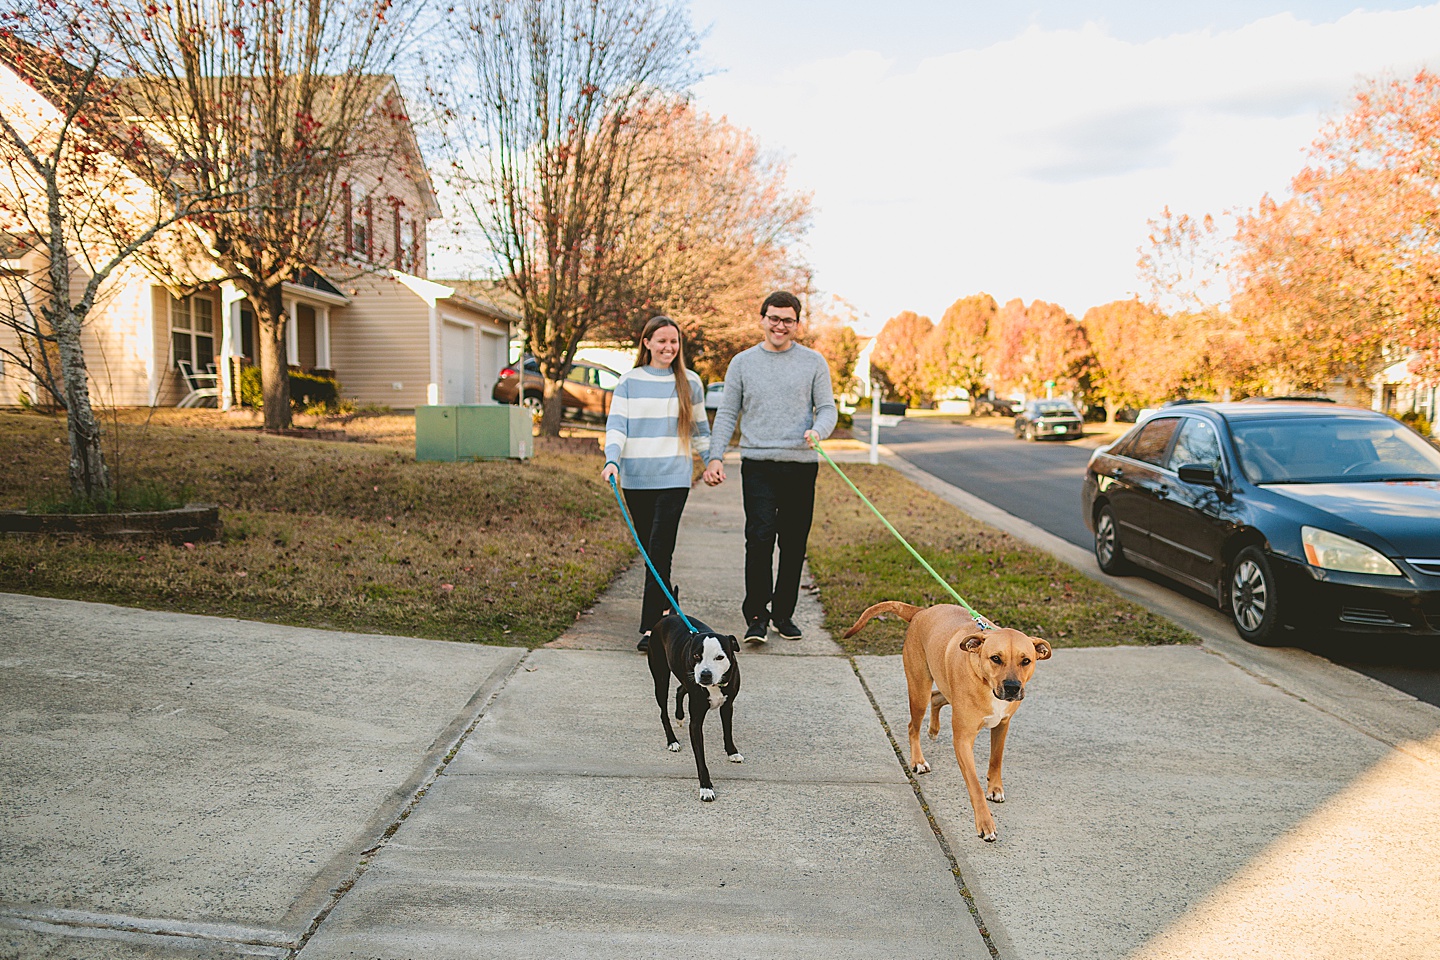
[
  {"x": 577, "y": 392},
  {"x": 1135, "y": 482},
  {"x": 606, "y": 381},
  {"x": 1190, "y": 521}
]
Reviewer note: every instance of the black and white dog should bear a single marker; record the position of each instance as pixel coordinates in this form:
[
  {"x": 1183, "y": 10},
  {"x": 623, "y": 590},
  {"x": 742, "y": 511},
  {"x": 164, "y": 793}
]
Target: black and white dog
[{"x": 709, "y": 673}]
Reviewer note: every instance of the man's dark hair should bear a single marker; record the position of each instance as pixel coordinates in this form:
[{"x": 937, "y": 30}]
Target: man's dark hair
[{"x": 781, "y": 299}]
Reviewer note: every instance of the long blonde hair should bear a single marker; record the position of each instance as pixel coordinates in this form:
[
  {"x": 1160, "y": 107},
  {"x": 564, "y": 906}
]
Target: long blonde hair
[{"x": 686, "y": 424}]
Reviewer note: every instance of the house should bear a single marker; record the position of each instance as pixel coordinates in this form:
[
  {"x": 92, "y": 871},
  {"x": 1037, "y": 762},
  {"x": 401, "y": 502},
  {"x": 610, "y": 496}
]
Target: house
[
  {"x": 1398, "y": 391},
  {"x": 370, "y": 317}
]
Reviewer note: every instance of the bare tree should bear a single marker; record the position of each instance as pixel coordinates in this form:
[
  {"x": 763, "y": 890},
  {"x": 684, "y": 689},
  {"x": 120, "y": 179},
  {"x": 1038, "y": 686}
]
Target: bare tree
[
  {"x": 712, "y": 231},
  {"x": 293, "y": 96},
  {"x": 554, "y": 104},
  {"x": 84, "y": 195}
]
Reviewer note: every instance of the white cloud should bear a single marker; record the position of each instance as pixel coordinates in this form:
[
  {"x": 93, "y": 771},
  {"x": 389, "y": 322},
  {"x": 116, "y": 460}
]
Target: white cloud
[{"x": 1028, "y": 168}]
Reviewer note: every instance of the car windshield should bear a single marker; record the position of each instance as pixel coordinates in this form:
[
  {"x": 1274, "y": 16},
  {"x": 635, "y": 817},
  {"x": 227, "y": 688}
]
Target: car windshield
[
  {"x": 1332, "y": 450},
  {"x": 1053, "y": 407}
]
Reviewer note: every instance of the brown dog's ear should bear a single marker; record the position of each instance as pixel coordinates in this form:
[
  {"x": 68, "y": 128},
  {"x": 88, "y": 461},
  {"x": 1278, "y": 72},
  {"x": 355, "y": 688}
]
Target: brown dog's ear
[
  {"x": 972, "y": 641},
  {"x": 1042, "y": 649}
]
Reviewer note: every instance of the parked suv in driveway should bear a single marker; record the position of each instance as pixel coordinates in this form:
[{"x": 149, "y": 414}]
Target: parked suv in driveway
[{"x": 588, "y": 389}]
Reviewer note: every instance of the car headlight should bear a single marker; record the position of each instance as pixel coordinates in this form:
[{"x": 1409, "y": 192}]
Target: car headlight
[{"x": 1331, "y": 551}]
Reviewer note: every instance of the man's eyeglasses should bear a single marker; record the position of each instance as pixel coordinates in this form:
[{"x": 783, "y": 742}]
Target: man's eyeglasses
[{"x": 787, "y": 321}]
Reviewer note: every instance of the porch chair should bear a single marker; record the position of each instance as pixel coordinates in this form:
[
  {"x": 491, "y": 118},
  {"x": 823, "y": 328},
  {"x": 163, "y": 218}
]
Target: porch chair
[{"x": 204, "y": 387}]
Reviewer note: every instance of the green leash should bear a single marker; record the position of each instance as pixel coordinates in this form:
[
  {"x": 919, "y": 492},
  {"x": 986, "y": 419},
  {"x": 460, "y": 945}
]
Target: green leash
[{"x": 984, "y": 623}]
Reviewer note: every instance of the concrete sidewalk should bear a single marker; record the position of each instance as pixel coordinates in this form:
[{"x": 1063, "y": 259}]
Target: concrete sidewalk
[{"x": 176, "y": 786}]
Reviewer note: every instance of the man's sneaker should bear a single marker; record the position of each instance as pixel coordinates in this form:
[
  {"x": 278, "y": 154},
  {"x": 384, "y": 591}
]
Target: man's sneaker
[
  {"x": 755, "y": 632},
  {"x": 644, "y": 643},
  {"x": 787, "y": 629}
]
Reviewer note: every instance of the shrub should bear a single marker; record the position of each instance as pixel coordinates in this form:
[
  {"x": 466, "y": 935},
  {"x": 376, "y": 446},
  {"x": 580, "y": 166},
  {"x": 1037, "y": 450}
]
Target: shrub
[
  {"x": 1417, "y": 421},
  {"x": 308, "y": 392}
]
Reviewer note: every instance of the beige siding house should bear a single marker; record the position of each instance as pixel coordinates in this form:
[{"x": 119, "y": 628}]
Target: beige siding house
[{"x": 369, "y": 318}]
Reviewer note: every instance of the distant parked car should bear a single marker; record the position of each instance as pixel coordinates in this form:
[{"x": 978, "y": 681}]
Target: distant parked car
[
  {"x": 588, "y": 389},
  {"x": 1048, "y": 418},
  {"x": 994, "y": 407},
  {"x": 1308, "y": 515},
  {"x": 713, "y": 395}
]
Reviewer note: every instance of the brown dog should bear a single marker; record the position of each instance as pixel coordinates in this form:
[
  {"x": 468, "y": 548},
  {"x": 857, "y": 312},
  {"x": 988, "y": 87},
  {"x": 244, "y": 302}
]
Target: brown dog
[{"x": 980, "y": 673}]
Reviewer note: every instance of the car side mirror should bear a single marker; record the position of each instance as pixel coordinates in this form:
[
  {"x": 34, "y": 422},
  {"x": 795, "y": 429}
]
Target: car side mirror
[{"x": 1198, "y": 473}]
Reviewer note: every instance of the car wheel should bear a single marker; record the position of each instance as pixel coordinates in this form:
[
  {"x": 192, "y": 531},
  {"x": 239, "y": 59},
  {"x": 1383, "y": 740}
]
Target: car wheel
[
  {"x": 1030, "y": 432},
  {"x": 534, "y": 404},
  {"x": 1108, "y": 552},
  {"x": 1254, "y": 599}
]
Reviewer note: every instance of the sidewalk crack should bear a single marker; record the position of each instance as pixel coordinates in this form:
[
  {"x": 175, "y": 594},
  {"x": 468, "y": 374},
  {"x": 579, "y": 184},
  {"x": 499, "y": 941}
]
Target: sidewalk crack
[
  {"x": 940, "y": 837},
  {"x": 409, "y": 806}
]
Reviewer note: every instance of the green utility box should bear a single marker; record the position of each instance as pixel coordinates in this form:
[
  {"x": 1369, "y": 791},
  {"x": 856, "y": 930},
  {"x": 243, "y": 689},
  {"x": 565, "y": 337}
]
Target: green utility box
[{"x": 473, "y": 431}]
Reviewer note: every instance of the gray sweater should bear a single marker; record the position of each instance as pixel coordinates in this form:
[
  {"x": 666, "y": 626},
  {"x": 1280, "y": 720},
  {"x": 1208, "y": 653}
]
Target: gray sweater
[{"x": 776, "y": 397}]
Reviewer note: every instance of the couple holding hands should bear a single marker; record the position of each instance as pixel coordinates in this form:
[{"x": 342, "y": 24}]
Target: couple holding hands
[{"x": 780, "y": 393}]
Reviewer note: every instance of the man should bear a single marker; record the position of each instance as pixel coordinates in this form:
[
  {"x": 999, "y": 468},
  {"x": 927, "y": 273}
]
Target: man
[{"x": 780, "y": 391}]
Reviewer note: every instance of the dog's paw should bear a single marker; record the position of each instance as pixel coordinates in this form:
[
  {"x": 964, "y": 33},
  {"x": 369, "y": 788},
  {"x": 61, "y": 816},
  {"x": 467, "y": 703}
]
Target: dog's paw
[
  {"x": 737, "y": 758},
  {"x": 921, "y": 767},
  {"x": 674, "y": 746},
  {"x": 996, "y": 794},
  {"x": 707, "y": 795},
  {"x": 987, "y": 835},
  {"x": 985, "y": 828}
]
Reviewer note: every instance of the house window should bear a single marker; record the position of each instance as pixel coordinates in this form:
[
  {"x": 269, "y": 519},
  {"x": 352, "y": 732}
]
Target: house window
[
  {"x": 192, "y": 331},
  {"x": 399, "y": 240},
  {"x": 347, "y": 217}
]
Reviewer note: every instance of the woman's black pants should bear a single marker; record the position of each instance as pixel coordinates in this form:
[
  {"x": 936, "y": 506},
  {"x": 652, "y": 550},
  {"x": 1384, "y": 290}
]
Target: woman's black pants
[{"x": 656, "y": 515}]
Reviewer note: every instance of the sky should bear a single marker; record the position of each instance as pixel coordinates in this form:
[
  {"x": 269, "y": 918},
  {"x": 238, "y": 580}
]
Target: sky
[{"x": 1018, "y": 149}]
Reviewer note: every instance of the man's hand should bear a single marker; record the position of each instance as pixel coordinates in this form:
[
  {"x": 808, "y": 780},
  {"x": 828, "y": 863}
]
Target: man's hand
[
  {"x": 813, "y": 439},
  {"x": 714, "y": 474}
]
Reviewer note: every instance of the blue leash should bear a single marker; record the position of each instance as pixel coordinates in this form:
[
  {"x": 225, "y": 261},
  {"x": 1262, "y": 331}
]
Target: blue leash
[{"x": 674, "y": 604}]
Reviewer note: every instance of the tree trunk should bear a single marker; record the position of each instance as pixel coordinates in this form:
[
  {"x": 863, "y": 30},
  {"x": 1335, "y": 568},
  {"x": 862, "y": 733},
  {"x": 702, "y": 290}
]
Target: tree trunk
[
  {"x": 553, "y": 408},
  {"x": 89, "y": 479},
  {"x": 274, "y": 365},
  {"x": 1110, "y": 409}
]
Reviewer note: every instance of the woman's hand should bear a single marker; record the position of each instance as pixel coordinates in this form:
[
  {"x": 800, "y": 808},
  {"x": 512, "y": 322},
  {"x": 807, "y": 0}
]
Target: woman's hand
[{"x": 609, "y": 472}]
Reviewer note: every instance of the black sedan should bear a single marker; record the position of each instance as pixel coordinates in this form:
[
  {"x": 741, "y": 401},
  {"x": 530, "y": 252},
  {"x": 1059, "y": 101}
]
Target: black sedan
[
  {"x": 1048, "y": 418},
  {"x": 1288, "y": 514}
]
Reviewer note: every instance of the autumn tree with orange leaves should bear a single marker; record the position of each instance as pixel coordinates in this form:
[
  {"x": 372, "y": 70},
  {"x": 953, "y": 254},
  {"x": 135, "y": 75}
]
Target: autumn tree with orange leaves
[
  {"x": 1342, "y": 275},
  {"x": 1141, "y": 356},
  {"x": 954, "y": 353},
  {"x": 1350, "y": 263},
  {"x": 1035, "y": 345},
  {"x": 830, "y": 329},
  {"x": 897, "y": 355}
]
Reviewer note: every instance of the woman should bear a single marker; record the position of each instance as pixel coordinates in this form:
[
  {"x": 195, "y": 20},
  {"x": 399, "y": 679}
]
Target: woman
[{"x": 656, "y": 415}]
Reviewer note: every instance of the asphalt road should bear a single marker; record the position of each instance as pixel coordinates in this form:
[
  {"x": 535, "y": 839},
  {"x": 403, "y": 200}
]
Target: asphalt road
[{"x": 1040, "y": 482}]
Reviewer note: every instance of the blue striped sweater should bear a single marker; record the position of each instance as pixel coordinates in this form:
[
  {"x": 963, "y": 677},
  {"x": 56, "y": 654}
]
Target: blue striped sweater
[{"x": 642, "y": 431}]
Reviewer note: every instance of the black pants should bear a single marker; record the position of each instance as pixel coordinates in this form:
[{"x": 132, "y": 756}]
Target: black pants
[
  {"x": 656, "y": 515},
  {"x": 779, "y": 504}
]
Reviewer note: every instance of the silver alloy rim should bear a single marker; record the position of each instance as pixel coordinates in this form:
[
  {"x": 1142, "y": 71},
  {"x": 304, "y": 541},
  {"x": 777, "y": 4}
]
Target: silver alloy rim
[
  {"x": 1249, "y": 595},
  {"x": 1105, "y": 539}
]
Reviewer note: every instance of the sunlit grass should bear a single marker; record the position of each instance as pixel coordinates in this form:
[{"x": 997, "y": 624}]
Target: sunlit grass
[
  {"x": 354, "y": 536},
  {"x": 856, "y": 563}
]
